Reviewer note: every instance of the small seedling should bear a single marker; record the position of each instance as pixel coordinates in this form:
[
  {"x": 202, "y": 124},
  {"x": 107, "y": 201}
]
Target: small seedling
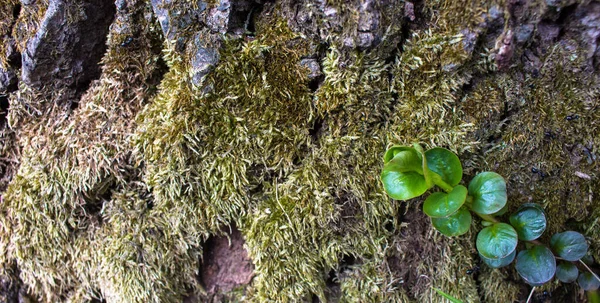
[{"x": 409, "y": 172}]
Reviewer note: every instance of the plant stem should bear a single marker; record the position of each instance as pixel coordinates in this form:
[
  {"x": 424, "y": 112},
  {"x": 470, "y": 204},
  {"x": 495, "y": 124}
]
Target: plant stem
[
  {"x": 442, "y": 184},
  {"x": 488, "y": 218},
  {"x": 590, "y": 270},
  {"x": 530, "y": 295},
  {"x": 448, "y": 188}
]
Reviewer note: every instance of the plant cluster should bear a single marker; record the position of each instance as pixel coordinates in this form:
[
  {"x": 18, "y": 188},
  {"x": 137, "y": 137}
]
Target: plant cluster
[{"x": 410, "y": 171}]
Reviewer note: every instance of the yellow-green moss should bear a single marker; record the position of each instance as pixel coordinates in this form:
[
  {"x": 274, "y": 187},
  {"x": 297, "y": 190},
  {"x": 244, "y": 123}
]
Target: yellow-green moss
[
  {"x": 296, "y": 171},
  {"x": 69, "y": 159}
]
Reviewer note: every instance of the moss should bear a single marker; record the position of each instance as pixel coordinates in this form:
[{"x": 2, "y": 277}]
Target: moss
[
  {"x": 544, "y": 143},
  {"x": 69, "y": 161},
  {"x": 498, "y": 286},
  {"x": 6, "y": 25},
  {"x": 29, "y": 19},
  {"x": 428, "y": 94},
  {"x": 136, "y": 253},
  {"x": 371, "y": 282},
  {"x": 117, "y": 202}
]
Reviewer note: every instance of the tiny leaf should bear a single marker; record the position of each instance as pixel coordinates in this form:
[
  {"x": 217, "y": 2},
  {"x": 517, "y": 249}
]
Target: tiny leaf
[
  {"x": 497, "y": 241},
  {"x": 454, "y": 225},
  {"x": 489, "y": 193},
  {"x": 529, "y": 222},
  {"x": 536, "y": 265},
  {"x": 566, "y": 272},
  {"x": 497, "y": 263},
  {"x": 569, "y": 245},
  {"x": 447, "y": 296},
  {"x": 404, "y": 160},
  {"x": 402, "y": 176},
  {"x": 439, "y": 204},
  {"x": 394, "y": 150},
  {"x": 588, "y": 259},
  {"x": 446, "y": 164},
  {"x": 403, "y": 186},
  {"x": 587, "y": 281},
  {"x": 429, "y": 175}
]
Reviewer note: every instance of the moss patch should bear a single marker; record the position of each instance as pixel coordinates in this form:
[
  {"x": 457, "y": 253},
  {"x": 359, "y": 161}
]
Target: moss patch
[{"x": 117, "y": 198}]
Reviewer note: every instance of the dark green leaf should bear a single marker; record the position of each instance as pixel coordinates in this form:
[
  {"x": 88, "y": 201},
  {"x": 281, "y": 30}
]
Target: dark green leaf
[
  {"x": 497, "y": 263},
  {"x": 587, "y": 281},
  {"x": 439, "y": 204},
  {"x": 497, "y": 241},
  {"x": 569, "y": 245},
  {"x": 488, "y": 190},
  {"x": 567, "y": 272},
  {"x": 529, "y": 222},
  {"x": 588, "y": 259},
  {"x": 453, "y": 225},
  {"x": 501, "y": 211},
  {"x": 446, "y": 164},
  {"x": 536, "y": 265},
  {"x": 534, "y": 205}
]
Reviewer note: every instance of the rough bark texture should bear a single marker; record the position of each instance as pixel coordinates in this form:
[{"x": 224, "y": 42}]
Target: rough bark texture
[{"x": 230, "y": 150}]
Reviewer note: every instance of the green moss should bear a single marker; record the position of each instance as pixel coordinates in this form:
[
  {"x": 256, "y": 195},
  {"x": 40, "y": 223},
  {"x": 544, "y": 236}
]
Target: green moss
[
  {"x": 118, "y": 201},
  {"x": 137, "y": 253},
  {"x": 428, "y": 94},
  {"x": 371, "y": 282},
  {"x": 69, "y": 160},
  {"x": 544, "y": 143}
]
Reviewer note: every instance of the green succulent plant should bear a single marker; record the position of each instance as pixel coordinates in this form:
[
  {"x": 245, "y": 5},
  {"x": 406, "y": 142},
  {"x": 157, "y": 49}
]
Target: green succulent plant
[{"x": 409, "y": 172}]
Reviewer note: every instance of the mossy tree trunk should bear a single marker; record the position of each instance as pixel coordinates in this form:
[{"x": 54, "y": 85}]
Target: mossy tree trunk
[{"x": 139, "y": 137}]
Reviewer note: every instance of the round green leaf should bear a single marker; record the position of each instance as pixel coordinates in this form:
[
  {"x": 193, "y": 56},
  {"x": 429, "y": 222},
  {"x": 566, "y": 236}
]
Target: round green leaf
[
  {"x": 395, "y": 150},
  {"x": 404, "y": 160},
  {"x": 497, "y": 241},
  {"x": 446, "y": 164},
  {"x": 536, "y": 265},
  {"x": 488, "y": 190},
  {"x": 529, "y": 222},
  {"x": 497, "y": 263},
  {"x": 587, "y": 281},
  {"x": 439, "y": 204},
  {"x": 533, "y": 205},
  {"x": 403, "y": 186},
  {"x": 454, "y": 225},
  {"x": 566, "y": 272},
  {"x": 569, "y": 245}
]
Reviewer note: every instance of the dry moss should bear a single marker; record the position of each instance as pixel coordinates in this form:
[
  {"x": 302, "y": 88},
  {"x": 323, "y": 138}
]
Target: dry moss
[
  {"x": 543, "y": 143},
  {"x": 70, "y": 159},
  {"x": 115, "y": 198},
  {"x": 29, "y": 19},
  {"x": 138, "y": 257}
]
